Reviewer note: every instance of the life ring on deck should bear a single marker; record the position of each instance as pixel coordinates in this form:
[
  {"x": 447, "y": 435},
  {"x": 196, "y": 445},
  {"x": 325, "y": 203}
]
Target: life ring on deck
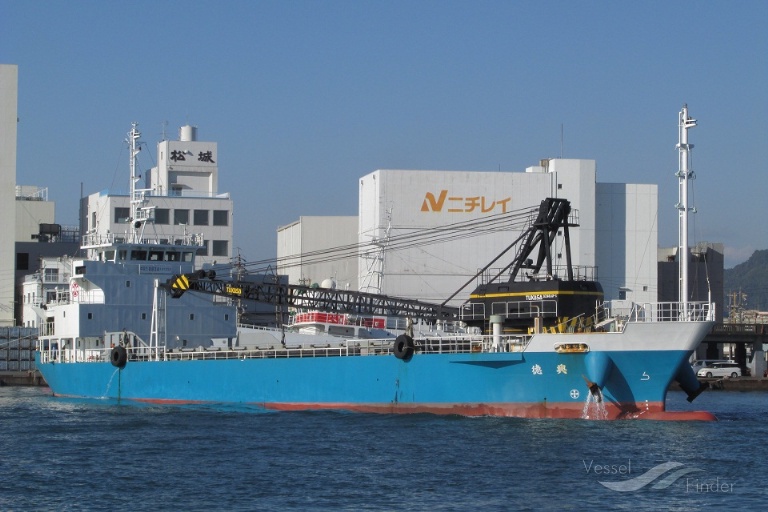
[
  {"x": 119, "y": 357},
  {"x": 404, "y": 347}
]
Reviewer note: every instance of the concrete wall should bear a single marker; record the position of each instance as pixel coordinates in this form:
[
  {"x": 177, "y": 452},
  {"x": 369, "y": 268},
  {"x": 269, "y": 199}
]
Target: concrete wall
[
  {"x": 29, "y": 216},
  {"x": 9, "y": 92},
  {"x": 314, "y": 249},
  {"x": 626, "y": 240},
  {"x": 705, "y": 275}
]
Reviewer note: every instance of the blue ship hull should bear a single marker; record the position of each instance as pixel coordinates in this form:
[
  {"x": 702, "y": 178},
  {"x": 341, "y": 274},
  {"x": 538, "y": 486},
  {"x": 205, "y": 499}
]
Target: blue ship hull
[{"x": 528, "y": 384}]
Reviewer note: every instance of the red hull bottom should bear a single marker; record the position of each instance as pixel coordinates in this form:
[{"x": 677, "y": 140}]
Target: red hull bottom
[{"x": 612, "y": 411}]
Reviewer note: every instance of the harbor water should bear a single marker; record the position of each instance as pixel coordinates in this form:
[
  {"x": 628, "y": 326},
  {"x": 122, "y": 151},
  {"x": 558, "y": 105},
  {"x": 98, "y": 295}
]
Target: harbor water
[{"x": 67, "y": 454}]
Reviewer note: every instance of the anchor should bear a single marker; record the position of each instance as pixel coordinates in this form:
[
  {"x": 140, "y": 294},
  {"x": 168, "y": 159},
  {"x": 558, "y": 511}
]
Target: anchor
[{"x": 594, "y": 389}]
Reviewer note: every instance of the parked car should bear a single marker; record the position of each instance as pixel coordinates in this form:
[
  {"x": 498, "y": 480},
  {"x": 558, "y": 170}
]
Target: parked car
[
  {"x": 701, "y": 363},
  {"x": 720, "y": 370}
]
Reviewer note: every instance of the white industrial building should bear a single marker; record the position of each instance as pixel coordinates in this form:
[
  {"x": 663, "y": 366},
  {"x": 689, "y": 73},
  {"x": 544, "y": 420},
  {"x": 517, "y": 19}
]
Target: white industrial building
[
  {"x": 308, "y": 261},
  {"x": 183, "y": 189},
  {"x": 9, "y": 92},
  {"x": 617, "y": 230}
]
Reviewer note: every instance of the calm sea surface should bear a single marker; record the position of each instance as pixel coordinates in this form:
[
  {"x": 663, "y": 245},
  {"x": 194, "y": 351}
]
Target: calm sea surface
[{"x": 63, "y": 454}]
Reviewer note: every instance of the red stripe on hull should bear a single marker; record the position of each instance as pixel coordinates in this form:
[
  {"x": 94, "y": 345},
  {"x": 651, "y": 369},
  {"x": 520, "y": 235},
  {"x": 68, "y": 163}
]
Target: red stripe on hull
[{"x": 563, "y": 410}]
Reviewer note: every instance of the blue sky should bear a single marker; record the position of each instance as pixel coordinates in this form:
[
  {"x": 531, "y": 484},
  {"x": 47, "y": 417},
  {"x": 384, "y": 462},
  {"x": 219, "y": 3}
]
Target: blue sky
[{"x": 303, "y": 98}]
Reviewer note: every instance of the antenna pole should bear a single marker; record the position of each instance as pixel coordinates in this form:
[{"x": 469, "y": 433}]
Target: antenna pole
[{"x": 684, "y": 174}]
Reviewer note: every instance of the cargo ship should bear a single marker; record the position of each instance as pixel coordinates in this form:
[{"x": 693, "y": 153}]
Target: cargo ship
[{"x": 533, "y": 340}]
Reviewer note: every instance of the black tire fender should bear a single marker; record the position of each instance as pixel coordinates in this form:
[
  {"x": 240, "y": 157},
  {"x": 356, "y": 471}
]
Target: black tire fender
[
  {"x": 119, "y": 357},
  {"x": 403, "y": 347}
]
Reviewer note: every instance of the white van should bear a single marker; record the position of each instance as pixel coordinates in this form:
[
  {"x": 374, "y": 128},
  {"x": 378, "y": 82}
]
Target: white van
[
  {"x": 701, "y": 363},
  {"x": 724, "y": 369}
]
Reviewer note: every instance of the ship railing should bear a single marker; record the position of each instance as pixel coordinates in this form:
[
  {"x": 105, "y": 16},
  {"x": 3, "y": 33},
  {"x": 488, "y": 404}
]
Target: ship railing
[
  {"x": 73, "y": 355},
  {"x": 356, "y": 347},
  {"x": 510, "y": 309},
  {"x": 671, "y": 312},
  {"x": 580, "y": 273},
  {"x": 471, "y": 343},
  {"x": 456, "y": 344},
  {"x": 94, "y": 239}
]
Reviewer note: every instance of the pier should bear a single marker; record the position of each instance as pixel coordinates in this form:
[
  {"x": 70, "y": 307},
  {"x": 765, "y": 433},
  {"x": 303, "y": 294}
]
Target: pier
[
  {"x": 740, "y": 336},
  {"x": 21, "y": 378}
]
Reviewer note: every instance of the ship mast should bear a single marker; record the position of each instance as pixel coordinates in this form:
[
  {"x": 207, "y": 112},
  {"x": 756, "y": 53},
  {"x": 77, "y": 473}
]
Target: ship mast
[
  {"x": 684, "y": 174},
  {"x": 134, "y": 149}
]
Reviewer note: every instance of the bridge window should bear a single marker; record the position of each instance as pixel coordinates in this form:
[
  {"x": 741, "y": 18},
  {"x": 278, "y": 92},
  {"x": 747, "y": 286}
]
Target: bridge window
[
  {"x": 51, "y": 275},
  {"x": 122, "y": 214}
]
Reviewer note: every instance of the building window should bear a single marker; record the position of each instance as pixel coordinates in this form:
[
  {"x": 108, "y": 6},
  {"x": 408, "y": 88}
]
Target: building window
[
  {"x": 201, "y": 217},
  {"x": 143, "y": 316},
  {"x": 22, "y": 261},
  {"x": 191, "y": 316},
  {"x": 90, "y": 316},
  {"x": 93, "y": 220},
  {"x": 220, "y": 218},
  {"x": 122, "y": 214},
  {"x": 203, "y": 251},
  {"x": 162, "y": 216},
  {"x": 220, "y": 248},
  {"x": 51, "y": 275},
  {"x": 180, "y": 217}
]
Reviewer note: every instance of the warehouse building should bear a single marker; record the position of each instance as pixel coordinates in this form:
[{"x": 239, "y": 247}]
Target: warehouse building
[{"x": 425, "y": 234}]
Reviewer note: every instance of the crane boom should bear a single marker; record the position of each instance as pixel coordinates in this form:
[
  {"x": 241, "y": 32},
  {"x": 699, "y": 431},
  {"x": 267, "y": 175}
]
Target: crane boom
[{"x": 305, "y": 297}]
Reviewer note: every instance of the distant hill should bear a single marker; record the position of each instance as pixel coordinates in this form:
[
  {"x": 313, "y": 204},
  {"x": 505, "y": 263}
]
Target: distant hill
[{"x": 751, "y": 278}]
